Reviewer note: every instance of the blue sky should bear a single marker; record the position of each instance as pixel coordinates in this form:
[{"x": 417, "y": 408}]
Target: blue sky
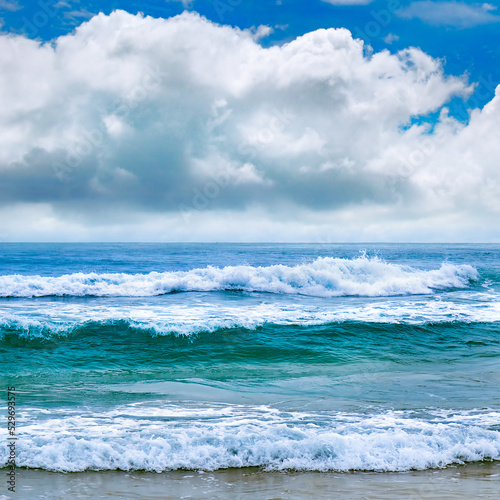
[
  {"x": 466, "y": 35},
  {"x": 231, "y": 120}
]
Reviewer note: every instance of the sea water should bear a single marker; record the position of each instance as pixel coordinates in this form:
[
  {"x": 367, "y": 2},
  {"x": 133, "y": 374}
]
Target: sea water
[{"x": 316, "y": 357}]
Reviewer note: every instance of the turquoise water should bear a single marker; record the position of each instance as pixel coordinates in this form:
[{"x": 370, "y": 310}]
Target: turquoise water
[{"x": 306, "y": 357}]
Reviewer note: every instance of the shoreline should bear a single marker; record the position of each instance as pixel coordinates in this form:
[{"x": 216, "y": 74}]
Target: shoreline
[{"x": 476, "y": 480}]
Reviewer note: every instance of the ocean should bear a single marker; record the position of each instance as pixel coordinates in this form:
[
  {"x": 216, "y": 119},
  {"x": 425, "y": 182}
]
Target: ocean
[{"x": 268, "y": 357}]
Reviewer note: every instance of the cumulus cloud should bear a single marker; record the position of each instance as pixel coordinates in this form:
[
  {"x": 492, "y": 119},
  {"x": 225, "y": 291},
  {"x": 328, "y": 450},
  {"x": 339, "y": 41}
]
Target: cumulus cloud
[
  {"x": 133, "y": 124},
  {"x": 452, "y": 13}
]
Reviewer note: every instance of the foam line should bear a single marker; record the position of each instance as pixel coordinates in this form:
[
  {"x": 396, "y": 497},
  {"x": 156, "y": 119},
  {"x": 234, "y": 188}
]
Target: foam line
[{"x": 325, "y": 277}]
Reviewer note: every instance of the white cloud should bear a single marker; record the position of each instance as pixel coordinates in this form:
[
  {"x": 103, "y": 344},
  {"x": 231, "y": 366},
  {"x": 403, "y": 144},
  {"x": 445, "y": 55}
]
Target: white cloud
[
  {"x": 186, "y": 3},
  {"x": 62, "y": 4},
  {"x": 451, "y": 13},
  {"x": 76, "y": 16},
  {"x": 11, "y": 5},
  {"x": 181, "y": 129},
  {"x": 391, "y": 38}
]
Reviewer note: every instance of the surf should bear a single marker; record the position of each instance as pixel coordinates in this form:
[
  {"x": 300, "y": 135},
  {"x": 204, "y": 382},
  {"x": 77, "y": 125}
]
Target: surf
[{"x": 324, "y": 277}]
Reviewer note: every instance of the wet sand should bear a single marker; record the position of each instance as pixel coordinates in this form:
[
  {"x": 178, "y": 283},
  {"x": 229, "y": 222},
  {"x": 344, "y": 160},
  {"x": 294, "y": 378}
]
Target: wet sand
[{"x": 470, "y": 481}]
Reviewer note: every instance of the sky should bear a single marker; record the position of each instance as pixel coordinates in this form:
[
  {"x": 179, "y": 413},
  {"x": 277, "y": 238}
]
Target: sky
[{"x": 229, "y": 120}]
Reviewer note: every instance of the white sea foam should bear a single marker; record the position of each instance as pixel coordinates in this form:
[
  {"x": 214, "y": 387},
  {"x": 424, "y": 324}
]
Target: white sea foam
[
  {"x": 165, "y": 437},
  {"x": 325, "y": 277},
  {"x": 192, "y": 317}
]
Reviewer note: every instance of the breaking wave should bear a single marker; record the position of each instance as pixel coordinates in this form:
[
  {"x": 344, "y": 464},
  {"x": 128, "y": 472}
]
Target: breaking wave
[
  {"x": 324, "y": 277},
  {"x": 60, "y": 319},
  {"x": 165, "y": 437}
]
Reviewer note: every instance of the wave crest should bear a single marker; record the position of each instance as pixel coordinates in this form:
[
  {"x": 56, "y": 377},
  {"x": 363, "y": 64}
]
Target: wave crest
[
  {"x": 324, "y": 277},
  {"x": 210, "y": 438}
]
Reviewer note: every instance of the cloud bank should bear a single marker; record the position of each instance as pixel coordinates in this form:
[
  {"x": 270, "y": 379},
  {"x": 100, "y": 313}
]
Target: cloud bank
[
  {"x": 136, "y": 128},
  {"x": 451, "y": 14}
]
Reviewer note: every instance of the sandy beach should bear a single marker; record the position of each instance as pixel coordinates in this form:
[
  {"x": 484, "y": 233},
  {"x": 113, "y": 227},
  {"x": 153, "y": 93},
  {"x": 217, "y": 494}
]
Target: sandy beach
[{"x": 469, "y": 481}]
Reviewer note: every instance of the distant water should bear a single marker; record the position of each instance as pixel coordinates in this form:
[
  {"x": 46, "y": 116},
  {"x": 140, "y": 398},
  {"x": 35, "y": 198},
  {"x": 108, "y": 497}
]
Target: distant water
[{"x": 209, "y": 356}]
